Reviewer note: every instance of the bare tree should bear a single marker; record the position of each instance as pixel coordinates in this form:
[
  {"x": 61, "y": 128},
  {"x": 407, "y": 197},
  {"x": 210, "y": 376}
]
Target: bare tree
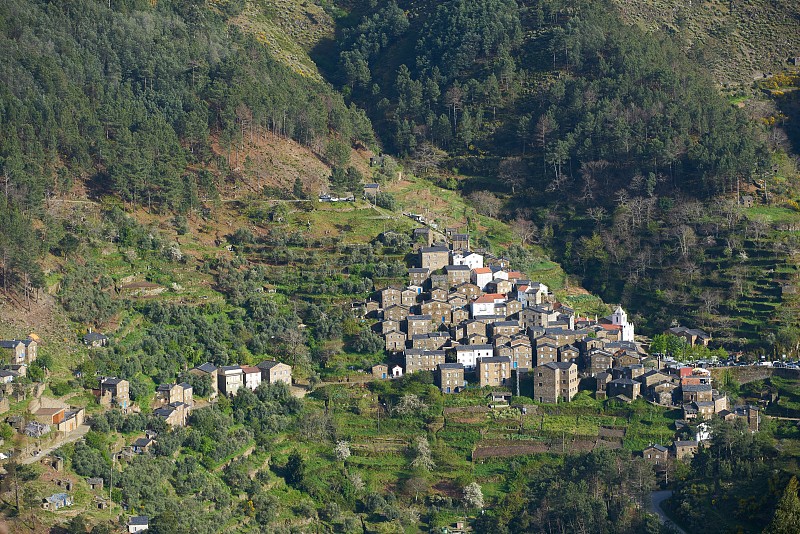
[
  {"x": 524, "y": 230},
  {"x": 512, "y": 172},
  {"x": 486, "y": 203}
]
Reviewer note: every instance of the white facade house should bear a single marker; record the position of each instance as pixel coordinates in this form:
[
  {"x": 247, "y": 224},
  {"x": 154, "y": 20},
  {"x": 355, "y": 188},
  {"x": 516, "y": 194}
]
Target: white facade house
[
  {"x": 533, "y": 294},
  {"x": 500, "y": 274},
  {"x": 472, "y": 260},
  {"x": 485, "y": 304},
  {"x": 620, "y": 318},
  {"x": 481, "y": 276},
  {"x": 252, "y": 377},
  {"x": 468, "y": 355},
  {"x": 230, "y": 378}
]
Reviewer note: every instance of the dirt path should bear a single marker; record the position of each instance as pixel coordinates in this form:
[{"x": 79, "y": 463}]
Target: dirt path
[{"x": 73, "y": 436}]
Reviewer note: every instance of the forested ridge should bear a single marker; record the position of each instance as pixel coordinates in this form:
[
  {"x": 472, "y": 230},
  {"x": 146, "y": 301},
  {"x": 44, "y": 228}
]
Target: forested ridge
[
  {"x": 130, "y": 100},
  {"x": 594, "y": 131}
]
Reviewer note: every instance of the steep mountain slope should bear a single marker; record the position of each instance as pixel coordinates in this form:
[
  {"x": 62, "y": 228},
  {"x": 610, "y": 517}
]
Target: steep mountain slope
[{"x": 737, "y": 41}]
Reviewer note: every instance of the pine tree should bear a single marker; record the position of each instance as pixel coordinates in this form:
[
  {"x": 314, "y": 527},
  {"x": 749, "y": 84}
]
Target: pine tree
[{"x": 787, "y": 515}]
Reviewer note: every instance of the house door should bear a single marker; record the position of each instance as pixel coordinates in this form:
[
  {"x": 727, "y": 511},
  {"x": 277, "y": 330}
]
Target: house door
[
  {"x": 448, "y": 389},
  {"x": 383, "y": 375}
]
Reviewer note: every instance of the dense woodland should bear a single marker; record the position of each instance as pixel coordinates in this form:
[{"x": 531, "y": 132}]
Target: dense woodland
[
  {"x": 129, "y": 100},
  {"x": 593, "y": 131}
]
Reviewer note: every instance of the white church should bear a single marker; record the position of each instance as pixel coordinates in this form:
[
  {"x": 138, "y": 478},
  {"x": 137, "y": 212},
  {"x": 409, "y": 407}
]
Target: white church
[{"x": 620, "y": 318}]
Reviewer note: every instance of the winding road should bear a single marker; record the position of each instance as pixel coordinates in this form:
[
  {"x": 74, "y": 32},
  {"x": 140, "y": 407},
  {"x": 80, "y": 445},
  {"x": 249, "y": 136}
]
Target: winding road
[{"x": 656, "y": 498}]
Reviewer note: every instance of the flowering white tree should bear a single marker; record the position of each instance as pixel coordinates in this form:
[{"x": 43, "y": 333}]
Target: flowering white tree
[
  {"x": 473, "y": 495},
  {"x": 422, "y": 455},
  {"x": 342, "y": 450}
]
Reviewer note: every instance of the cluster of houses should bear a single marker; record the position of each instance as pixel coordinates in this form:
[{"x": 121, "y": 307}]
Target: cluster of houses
[
  {"x": 228, "y": 379},
  {"x": 17, "y": 355},
  {"x": 469, "y": 317}
]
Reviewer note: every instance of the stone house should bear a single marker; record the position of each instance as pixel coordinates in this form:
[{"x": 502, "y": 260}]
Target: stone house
[
  {"x": 569, "y": 353},
  {"x": 439, "y": 281},
  {"x": 684, "y": 449},
  {"x": 438, "y": 310},
  {"x": 601, "y": 384},
  {"x": 391, "y": 296},
  {"x": 470, "y": 291},
  {"x": 273, "y": 372},
  {"x": 73, "y": 418},
  {"x": 19, "y": 350},
  {"x": 380, "y": 371},
  {"x": 210, "y": 370},
  {"x": 624, "y": 386},
  {"x": 439, "y": 293},
  {"x": 521, "y": 353},
  {"x": 395, "y": 313},
  {"x": 93, "y": 339},
  {"x": 546, "y": 352},
  {"x": 418, "y": 324},
  {"x": 655, "y": 454},
  {"x": 555, "y": 380},
  {"x": 115, "y": 392},
  {"x": 457, "y": 274},
  {"x": 692, "y": 335},
  {"x": 504, "y": 328},
  {"x": 498, "y": 285},
  {"x": 513, "y": 307},
  {"x": 422, "y": 360},
  {"x": 424, "y": 235},
  {"x": 449, "y": 377},
  {"x": 174, "y": 414},
  {"x": 697, "y": 392},
  {"x": 431, "y": 341},
  {"x": 599, "y": 361},
  {"x": 434, "y": 258},
  {"x": 417, "y": 276},
  {"x": 459, "y": 315},
  {"x": 408, "y": 297},
  {"x": 395, "y": 341},
  {"x": 494, "y": 371},
  {"x": 389, "y": 326},
  {"x": 459, "y": 242}
]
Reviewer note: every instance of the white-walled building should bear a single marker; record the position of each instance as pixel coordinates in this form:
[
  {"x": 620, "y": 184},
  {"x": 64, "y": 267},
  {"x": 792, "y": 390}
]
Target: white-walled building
[
  {"x": 485, "y": 304},
  {"x": 252, "y": 377},
  {"x": 472, "y": 260},
  {"x": 468, "y": 355},
  {"x": 481, "y": 276},
  {"x": 620, "y": 318}
]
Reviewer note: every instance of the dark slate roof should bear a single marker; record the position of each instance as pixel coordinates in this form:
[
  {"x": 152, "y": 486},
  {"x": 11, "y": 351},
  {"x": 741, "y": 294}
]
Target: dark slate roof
[
  {"x": 696, "y": 387},
  {"x": 267, "y": 364},
  {"x": 419, "y": 270},
  {"x": 164, "y": 387},
  {"x": 424, "y": 317},
  {"x": 230, "y": 368},
  {"x": 623, "y": 382},
  {"x": 111, "y": 381},
  {"x": 143, "y": 442},
  {"x": 139, "y": 520},
  {"x": 496, "y": 359},
  {"x": 686, "y": 444},
  {"x": 456, "y": 268},
  {"x": 94, "y": 336},
  {"x": 434, "y": 249},
  {"x": 185, "y": 385},
  {"x": 414, "y": 352},
  {"x": 207, "y": 367},
  {"x": 9, "y": 343},
  {"x": 660, "y": 448},
  {"x": 559, "y": 365},
  {"x": 451, "y": 366}
]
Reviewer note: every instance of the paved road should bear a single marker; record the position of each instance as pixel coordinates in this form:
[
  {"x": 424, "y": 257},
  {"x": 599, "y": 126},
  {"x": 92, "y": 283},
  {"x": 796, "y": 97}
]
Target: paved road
[
  {"x": 72, "y": 436},
  {"x": 656, "y": 498}
]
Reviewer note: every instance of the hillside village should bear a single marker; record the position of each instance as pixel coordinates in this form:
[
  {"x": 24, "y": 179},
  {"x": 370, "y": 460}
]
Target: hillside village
[
  {"x": 473, "y": 321},
  {"x": 467, "y": 317}
]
